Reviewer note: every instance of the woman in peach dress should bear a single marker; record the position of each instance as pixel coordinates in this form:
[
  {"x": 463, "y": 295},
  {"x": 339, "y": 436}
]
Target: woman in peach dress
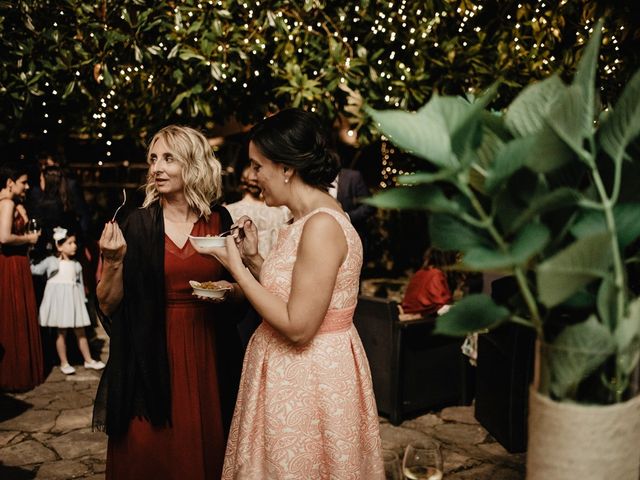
[{"x": 306, "y": 407}]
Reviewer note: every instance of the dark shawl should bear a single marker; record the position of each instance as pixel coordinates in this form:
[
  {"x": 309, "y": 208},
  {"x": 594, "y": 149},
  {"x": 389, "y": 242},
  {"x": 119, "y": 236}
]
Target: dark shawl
[{"x": 136, "y": 380}]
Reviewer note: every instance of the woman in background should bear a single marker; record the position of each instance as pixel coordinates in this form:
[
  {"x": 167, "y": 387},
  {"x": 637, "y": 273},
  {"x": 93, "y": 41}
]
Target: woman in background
[
  {"x": 430, "y": 288},
  {"x": 21, "y": 367}
]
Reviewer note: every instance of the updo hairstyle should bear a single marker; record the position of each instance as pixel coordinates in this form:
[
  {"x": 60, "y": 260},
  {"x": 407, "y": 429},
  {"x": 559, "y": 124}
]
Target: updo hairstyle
[{"x": 297, "y": 139}]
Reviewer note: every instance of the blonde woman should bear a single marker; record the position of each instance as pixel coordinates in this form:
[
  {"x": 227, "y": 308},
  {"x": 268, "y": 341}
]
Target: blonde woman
[{"x": 162, "y": 398}]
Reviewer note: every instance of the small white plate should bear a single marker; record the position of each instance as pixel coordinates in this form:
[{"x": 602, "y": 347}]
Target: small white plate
[
  {"x": 207, "y": 242},
  {"x": 207, "y": 292}
]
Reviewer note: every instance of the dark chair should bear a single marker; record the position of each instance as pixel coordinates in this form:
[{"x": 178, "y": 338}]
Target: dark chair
[
  {"x": 503, "y": 375},
  {"x": 412, "y": 369}
]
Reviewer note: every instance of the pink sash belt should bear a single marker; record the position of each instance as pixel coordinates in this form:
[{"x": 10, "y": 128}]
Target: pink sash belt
[{"x": 337, "y": 320}]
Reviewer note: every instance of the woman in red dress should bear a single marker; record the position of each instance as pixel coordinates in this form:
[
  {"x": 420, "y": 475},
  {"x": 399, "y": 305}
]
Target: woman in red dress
[
  {"x": 429, "y": 289},
  {"x": 21, "y": 366},
  {"x": 162, "y": 399}
]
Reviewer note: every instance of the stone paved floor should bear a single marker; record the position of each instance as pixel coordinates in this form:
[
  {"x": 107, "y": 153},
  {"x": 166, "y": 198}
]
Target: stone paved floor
[{"x": 46, "y": 434}]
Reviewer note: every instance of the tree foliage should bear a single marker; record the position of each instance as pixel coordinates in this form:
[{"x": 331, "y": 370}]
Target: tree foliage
[{"x": 123, "y": 68}]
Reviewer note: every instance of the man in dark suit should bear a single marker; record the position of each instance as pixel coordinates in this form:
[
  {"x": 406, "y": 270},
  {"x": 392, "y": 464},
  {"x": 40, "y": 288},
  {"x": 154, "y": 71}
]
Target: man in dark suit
[{"x": 350, "y": 190}]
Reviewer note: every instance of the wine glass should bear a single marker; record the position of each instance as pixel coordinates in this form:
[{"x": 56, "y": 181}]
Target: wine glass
[
  {"x": 422, "y": 461},
  {"x": 33, "y": 225},
  {"x": 392, "y": 468}
]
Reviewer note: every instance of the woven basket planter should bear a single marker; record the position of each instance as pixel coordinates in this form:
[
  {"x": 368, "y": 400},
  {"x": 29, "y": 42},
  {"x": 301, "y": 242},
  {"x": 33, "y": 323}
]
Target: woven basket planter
[{"x": 569, "y": 441}]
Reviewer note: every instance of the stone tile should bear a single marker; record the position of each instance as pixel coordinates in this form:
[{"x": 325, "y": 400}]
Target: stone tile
[
  {"x": 42, "y": 401},
  {"x": 6, "y": 437},
  {"x": 459, "y": 415},
  {"x": 62, "y": 470},
  {"x": 497, "y": 454},
  {"x": 70, "y": 401},
  {"x": 84, "y": 376},
  {"x": 80, "y": 443},
  {"x": 99, "y": 466},
  {"x": 42, "y": 437},
  {"x": 425, "y": 423},
  {"x": 398, "y": 437},
  {"x": 31, "y": 421},
  {"x": 25, "y": 453},
  {"x": 49, "y": 388},
  {"x": 488, "y": 472},
  {"x": 454, "y": 461},
  {"x": 73, "y": 419},
  {"x": 458, "y": 433},
  {"x": 94, "y": 477},
  {"x": 21, "y": 437}
]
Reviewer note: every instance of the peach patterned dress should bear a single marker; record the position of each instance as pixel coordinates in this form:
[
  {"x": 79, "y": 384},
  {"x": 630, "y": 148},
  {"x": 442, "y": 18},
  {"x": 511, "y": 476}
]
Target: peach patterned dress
[{"x": 307, "y": 412}]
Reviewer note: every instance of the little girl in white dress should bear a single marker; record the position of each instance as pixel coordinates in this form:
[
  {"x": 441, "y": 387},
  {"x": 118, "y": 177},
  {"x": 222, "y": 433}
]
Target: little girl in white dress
[{"x": 63, "y": 304}]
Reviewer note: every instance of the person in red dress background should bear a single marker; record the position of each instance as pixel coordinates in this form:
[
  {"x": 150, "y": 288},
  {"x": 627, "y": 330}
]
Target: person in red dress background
[
  {"x": 430, "y": 289},
  {"x": 162, "y": 398},
  {"x": 21, "y": 366}
]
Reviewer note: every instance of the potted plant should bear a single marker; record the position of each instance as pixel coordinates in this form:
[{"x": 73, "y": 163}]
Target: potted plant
[{"x": 544, "y": 192}]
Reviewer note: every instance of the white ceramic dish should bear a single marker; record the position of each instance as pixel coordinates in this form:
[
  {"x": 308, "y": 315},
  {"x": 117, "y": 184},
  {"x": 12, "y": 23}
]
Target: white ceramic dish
[
  {"x": 207, "y": 242},
  {"x": 207, "y": 292}
]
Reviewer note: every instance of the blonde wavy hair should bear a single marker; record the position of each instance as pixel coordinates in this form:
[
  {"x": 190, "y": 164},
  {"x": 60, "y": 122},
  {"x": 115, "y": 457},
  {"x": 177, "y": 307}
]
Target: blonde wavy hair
[{"x": 201, "y": 171}]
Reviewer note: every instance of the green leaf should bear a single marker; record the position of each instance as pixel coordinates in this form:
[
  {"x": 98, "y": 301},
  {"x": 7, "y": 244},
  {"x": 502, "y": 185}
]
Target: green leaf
[
  {"x": 179, "y": 98},
  {"x": 509, "y": 159},
  {"x": 627, "y": 336},
  {"x": 108, "y": 79},
  {"x": 559, "y": 198},
  {"x": 528, "y": 243},
  {"x": 466, "y": 131},
  {"x": 585, "y": 77},
  {"x": 626, "y": 217},
  {"x": 449, "y": 233},
  {"x": 575, "y": 354},
  {"x": 572, "y": 120},
  {"x": 425, "y": 177},
  {"x": 471, "y": 314},
  {"x": 548, "y": 151},
  {"x": 525, "y": 115},
  {"x": 187, "y": 53},
  {"x": 423, "y": 197},
  {"x": 623, "y": 124},
  {"x": 574, "y": 267},
  {"x": 423, "y": 133},
  {"x": 606, "y": 302},
  {"x": 69, "y": 89}
]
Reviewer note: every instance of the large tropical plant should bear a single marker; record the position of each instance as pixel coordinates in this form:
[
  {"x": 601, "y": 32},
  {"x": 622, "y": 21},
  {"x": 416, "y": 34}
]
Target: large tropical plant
[{"x": 545, "y": 192}]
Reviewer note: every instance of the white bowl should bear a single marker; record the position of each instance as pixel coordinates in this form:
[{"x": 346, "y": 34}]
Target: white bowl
[
  {"x": 207, "y": 242},
  {"x": 207, "y": 292}
]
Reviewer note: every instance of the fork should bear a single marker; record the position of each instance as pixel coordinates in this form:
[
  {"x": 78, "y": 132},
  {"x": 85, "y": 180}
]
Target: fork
[{"x": 124, "y": 200}]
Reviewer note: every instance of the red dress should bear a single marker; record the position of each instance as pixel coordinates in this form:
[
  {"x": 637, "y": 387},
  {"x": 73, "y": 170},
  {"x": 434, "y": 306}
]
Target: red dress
[
  {"x": 193, "y": 447},
  {"x": 21, "y": 366},
  {"x": 427, "y": 292}
]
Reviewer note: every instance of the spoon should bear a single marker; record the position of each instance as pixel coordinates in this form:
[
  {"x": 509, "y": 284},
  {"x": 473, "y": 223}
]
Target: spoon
[{"x": 223, "y": 234}]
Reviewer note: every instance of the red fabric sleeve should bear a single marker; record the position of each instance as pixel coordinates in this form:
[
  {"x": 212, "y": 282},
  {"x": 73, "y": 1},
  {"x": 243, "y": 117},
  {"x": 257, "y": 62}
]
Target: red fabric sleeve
[{"x": 427, "y": 292}]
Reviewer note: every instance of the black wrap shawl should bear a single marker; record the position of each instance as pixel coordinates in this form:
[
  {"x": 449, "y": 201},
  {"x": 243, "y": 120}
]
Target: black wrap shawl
[{"x": 136, "y": 380}]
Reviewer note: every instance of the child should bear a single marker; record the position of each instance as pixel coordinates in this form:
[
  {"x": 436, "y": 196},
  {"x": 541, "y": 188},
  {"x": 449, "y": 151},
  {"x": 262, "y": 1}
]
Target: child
[{"x": 63, "y": 303}]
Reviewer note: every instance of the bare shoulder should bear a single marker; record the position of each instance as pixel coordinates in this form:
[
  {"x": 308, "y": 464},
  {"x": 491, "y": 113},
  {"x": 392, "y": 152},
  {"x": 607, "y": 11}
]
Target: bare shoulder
[
  {"x": 323, "y": 232},
  {"x": 6, "y": 204},
  {"x": 322, "y": 222}
]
